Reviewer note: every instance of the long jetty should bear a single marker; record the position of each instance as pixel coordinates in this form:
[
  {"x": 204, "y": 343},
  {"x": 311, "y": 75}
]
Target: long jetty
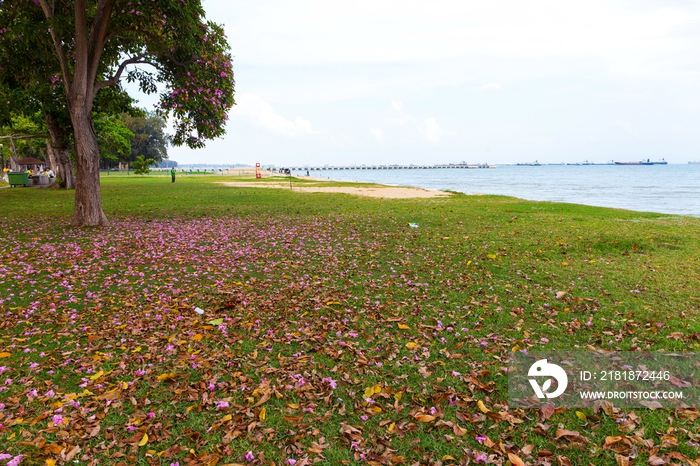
[{"x": 391, "y": 167}]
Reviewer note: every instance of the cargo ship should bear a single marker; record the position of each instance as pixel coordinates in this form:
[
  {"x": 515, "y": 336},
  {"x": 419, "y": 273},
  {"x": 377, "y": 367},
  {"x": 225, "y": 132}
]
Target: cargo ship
[{"x": 644, "y": 162}]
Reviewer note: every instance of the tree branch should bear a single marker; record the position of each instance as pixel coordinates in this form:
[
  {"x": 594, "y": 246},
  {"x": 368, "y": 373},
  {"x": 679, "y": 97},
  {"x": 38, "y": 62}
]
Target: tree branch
[
  {"x": 24, "y": 136},
  {"x": 154, "y": 40},
  {"x": 115, "y": 78},
  {"x": 80, "y": 78},
  {"x": 98, "y": 39},
  {"x": 60, "y": 53}
]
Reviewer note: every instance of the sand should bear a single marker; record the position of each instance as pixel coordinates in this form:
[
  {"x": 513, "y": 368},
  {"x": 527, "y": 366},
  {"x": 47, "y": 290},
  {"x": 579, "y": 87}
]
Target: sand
[{"x": 386, "y": 192}]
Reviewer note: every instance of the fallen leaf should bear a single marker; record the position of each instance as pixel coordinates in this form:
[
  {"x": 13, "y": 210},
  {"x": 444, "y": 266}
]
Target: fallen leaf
[
  {"x": 656, "y": 461},
  {"x": 546, "y": 411},
  {"x": 482, "y": 406},
  {"x": 571, "y": 435},
  {"x": 515, "y": 459},
  {"x": 71, "y": 454},
  {"x": 612, "y": 440}
]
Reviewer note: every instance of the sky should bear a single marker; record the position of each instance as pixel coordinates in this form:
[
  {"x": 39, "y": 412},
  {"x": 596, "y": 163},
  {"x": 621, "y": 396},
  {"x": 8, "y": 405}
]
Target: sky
[{"x": 492, "y": 81}]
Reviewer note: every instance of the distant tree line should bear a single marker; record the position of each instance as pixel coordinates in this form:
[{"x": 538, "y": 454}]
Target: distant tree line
[
  {"x": 122, "y": 138},
  {"x": 125, "y": 137}
]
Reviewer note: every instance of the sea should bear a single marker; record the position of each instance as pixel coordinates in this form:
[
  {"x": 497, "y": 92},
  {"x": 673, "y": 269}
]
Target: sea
[{"x": 668, "y": 189}]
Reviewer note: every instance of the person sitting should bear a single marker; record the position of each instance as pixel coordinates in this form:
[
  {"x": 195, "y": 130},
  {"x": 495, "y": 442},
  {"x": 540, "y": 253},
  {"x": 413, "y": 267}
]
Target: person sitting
[{"x": 50, "y": 173}]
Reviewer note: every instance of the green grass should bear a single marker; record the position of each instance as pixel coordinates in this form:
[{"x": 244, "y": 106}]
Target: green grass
[{"x": 314, "y": 286}]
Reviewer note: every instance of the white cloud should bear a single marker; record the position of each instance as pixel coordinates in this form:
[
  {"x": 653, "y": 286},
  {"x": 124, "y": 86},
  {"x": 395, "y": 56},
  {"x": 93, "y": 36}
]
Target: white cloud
[
  {"x": 262, "y": 114},
  {"x": 431, "y": 131},
  {"x": 540, "y": 140},
  {"x": 488, "y": 87},
  {"x": 378, "y": 133},
  {"x": 428, "y": 129},
  {"x": 569, "y": 70},
  {"x": 629, "y": 36},
  {"x": 622, "y": 124}
]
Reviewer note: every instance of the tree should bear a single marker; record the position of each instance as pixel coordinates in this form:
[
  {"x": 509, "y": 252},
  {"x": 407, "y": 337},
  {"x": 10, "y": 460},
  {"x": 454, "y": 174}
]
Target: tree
[
  {"x": 150, "y": 139},
  {"x": 30, "y": 85},
  {"x": 93, "y": 43},
  {"x": 24, "y": 137},
  {"x": 113, "y": 136},
  {"x": 142, "y": 165}
]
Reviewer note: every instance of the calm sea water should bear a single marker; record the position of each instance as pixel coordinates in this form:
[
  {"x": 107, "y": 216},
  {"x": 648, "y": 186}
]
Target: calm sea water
[{"x": 671, "y": 189}]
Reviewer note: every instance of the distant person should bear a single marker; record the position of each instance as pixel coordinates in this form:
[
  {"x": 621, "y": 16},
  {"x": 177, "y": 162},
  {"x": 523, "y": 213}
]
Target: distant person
[
  {"x": 50, "y": 173},
  {"x": 172, "y": 173},
  {"x": 307, "y": 173}
]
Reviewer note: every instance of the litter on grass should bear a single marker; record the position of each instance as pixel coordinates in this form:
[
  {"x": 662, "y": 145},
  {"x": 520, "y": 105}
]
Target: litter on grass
[
  {"x": 413, "y": 225},
  {"x": 199, "y": 311}
]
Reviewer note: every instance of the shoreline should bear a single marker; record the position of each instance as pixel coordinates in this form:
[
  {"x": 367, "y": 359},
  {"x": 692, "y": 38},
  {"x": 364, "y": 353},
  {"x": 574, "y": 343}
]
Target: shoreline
[
  {"x": 670, "y": 190},
  {"x": 376, "y": 190}
]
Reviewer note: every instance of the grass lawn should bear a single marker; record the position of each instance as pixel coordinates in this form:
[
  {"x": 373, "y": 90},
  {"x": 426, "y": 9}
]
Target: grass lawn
[{"x": 332, "y": 332}]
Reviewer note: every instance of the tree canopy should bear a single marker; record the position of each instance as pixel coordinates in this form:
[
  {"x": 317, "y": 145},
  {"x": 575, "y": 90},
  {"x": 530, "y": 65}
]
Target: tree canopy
[
  {"x": 150, "y": 139},
  {"x": 113, "y": 136},
  {"x": 88, "y": 46}
]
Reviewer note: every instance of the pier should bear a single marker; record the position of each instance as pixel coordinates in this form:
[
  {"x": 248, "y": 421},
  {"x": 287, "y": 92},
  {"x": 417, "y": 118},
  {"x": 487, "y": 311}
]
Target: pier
[{"x": 390, "y": 167}]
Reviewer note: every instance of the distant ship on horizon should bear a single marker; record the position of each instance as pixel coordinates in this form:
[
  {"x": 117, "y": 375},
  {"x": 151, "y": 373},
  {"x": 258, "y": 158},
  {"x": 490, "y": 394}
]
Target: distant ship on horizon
[
  {"x": 644, "y": 162},
  {"x": 694, "y": 162}
]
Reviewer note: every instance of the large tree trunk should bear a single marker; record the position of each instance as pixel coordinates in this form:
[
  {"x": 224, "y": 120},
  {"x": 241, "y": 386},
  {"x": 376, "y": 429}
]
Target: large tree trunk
[
  {"x": 60, "y": 160},
  {"x": 14, "y": 166},
  {"x": 79, "y": 70},
  {"x": 52, "y": 158},
  {"x": 88, "y": 203}
]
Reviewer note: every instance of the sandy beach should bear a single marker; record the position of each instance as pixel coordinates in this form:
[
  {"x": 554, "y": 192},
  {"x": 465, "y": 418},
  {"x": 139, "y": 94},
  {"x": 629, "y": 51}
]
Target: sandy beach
[{"x": 387, "y": 192}]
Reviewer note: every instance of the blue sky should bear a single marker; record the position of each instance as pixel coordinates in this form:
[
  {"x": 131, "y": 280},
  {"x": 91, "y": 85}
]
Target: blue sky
[{"x": 497, "y": 81}]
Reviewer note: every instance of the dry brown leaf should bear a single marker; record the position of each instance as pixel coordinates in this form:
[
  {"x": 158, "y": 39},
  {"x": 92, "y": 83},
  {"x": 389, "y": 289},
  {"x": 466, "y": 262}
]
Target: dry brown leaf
[
  {"x": 571, "y": 435},
  {"x": 424, "y": 417},
  {"x": 612, "y": 440},
  {"x": 458, "y": 430},
  {"x": 52, "y": 448},
  {"x": 515, "y": 459},
  {"x": 546, "y": 411},
  {"x": 657, "y": 461},
  {"x": 71, "y": 454}
]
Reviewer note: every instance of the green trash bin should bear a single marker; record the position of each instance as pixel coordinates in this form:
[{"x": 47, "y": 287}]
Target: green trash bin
[{"x": 18, "y": 179}]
